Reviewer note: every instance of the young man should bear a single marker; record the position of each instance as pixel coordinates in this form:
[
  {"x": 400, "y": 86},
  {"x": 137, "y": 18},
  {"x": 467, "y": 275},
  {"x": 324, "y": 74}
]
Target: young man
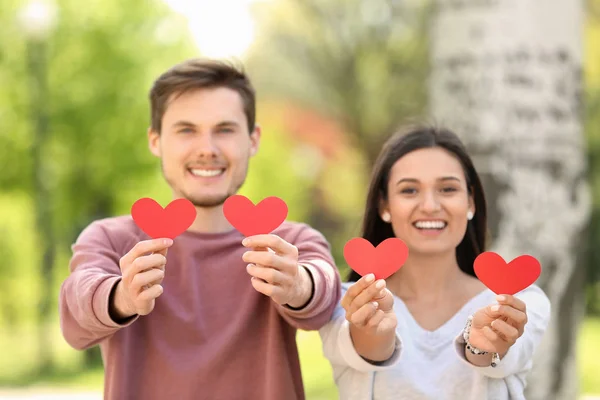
[{"x": 208, "y": 315}]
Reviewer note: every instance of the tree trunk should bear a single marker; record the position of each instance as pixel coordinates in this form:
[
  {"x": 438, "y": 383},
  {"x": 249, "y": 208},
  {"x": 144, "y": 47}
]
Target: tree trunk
[{"x": 507, "y": 77}]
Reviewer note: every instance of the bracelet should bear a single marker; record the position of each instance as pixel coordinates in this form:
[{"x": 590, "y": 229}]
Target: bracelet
[{"x": 475, "y": 350}]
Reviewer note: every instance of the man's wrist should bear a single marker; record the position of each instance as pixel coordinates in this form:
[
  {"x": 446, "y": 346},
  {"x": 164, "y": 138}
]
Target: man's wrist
[
  {"x": 117, "y": 305},
  {"x": 305, "y": 289}
]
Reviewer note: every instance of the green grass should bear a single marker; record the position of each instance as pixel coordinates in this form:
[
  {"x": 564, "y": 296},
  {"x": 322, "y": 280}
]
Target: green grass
[
  {"x": 316, "y": 372},
  {"x": 588, "y": 350}
]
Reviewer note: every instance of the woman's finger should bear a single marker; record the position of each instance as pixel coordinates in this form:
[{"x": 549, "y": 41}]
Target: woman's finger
[
  {"x": 355, "y": 289},
  {"x": 363, "y": 314},
  {"x": 507, "y": 332}
]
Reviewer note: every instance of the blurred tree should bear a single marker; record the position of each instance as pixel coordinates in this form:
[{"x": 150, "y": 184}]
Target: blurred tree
[
  {"x": 92, "y": 116},
  {"x": 362, "y": 62},
  {"x": 592, "y": 119},
  {"x": 514, "y": 93}
]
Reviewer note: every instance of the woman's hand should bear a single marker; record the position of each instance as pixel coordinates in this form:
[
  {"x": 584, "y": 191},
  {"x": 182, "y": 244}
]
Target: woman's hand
[
  {"x": 370, "y": 311},
  {"x": 496, "y": 328}
]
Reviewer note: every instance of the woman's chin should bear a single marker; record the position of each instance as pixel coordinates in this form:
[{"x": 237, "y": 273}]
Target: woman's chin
[{"x": 431, "y": 249}]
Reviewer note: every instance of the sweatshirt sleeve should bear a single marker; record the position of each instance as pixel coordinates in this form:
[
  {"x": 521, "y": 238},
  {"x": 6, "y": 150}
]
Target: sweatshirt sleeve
[
  {"x": 518, "y": 358},
  {"x": 85, "y": 293},
  {"x": 339, "y": 349},
  {"x": 314, "y": 255}
]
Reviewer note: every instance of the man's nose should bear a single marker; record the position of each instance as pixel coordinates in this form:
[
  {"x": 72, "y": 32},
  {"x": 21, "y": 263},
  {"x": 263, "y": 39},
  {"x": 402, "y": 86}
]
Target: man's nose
[{"x": 205, "y": 146}]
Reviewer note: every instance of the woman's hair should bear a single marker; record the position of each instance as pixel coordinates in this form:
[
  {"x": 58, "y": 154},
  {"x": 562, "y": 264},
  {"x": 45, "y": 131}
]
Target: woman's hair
[{"x": 375, "y": 230}]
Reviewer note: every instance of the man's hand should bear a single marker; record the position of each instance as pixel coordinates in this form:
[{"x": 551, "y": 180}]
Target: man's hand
[
  {"x": 143, "y": 269},
  {"x": 370, "y": 310},
  {"x": 497, "y": 327},
  {"x": 273, "y": 265}
]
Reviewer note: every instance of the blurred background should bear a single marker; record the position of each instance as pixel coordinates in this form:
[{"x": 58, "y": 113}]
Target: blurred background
[{"x": 519, "y": 81}]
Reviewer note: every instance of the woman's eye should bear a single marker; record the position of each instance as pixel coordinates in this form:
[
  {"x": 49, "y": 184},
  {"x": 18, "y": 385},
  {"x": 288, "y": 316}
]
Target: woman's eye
[
  {"x": 448, "y": 190},
  {"x": 408, "y": 191},
  {"x": 186, "y": 130}
]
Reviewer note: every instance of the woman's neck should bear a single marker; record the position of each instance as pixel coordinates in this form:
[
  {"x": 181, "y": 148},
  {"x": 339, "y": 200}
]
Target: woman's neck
[{"x": 427, "y": 277}]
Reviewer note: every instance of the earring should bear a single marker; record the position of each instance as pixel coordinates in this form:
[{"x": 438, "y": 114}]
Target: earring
[
  {"x": 386, "y": 216},
  {"x": 470, "y": 215}
]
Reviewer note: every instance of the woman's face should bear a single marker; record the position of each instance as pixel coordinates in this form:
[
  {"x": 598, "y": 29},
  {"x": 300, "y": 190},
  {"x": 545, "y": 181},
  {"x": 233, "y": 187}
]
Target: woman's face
[{"x": 428, "y": 201}]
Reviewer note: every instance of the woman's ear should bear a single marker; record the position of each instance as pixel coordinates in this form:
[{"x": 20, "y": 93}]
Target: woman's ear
[
  {"x": 472, "y": 209},
  {"x": 384, "y": 212}
]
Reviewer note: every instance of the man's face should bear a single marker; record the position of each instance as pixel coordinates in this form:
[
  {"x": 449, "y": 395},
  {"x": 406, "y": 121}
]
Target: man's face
[{"x": 205, "y": 145}]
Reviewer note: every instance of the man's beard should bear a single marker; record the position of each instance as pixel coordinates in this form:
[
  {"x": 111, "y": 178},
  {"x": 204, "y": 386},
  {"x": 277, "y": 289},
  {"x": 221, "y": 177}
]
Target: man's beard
[
  {"x": 207, "y": 202},
  {"x": 212, "y": 201},
  {"x": 204, "y": 201}
]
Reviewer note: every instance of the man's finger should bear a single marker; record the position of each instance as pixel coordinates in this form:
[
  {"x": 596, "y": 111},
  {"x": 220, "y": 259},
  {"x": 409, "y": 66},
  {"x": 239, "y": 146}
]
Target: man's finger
[
  {"x": 269, "y": 275},
  {"x": 266, "y": 258},
  {"x": 145, "y": 278},
  {"x": 265, "y": 288},
  {"x": 274, "y": 242},
  {"x": 146, "y": 247},
  {"x": 153, "y": 261},
  {"x": 151, "y": 293},
  {"x": 163, "y": 251},
  {"x": 356, "y": 288}
]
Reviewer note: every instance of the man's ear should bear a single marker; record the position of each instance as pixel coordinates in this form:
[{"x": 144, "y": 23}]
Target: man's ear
[
  {"x": 154, "y": 142},
  {"x": 255, "y": 140}
]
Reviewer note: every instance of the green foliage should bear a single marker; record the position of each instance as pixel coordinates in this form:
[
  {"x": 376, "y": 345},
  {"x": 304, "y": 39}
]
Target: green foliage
[
  {"x": 342, "y": 58},
  {"x": 588, "y": 349},
  {"x": 592, "y": 123},
  {"x": 364, "y": 62},
  {"x": 99, "y": 61}
]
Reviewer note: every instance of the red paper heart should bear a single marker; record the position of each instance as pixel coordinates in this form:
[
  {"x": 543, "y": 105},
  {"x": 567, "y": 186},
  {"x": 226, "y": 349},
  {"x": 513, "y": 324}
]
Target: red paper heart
[
  {"x": 169, "y": 222},
  {"x": 382, "y": 261},
  {"x": 252, "y": 219},
  {"x": 500, "y": 278}
]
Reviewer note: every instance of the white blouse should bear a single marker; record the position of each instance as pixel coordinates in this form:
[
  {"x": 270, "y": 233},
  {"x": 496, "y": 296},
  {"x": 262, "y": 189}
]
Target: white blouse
[{"x": 431, "y": 365}]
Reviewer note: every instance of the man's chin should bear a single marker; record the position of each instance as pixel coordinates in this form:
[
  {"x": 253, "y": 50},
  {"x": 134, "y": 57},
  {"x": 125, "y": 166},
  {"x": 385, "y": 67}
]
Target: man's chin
[{"x": 207, "y": 201}]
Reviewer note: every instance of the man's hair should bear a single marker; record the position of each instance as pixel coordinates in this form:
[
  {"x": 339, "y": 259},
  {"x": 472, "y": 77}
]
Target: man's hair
[{"x": 200, "y": 74}]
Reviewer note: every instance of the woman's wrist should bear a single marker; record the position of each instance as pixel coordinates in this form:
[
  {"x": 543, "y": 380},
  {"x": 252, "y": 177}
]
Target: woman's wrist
[
  {"x": 373, "y": 347},
  {"x": 477, "y": 356}
]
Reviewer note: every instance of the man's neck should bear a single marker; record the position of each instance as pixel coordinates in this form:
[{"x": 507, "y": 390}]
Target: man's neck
[{"x": 210, "y": 220}]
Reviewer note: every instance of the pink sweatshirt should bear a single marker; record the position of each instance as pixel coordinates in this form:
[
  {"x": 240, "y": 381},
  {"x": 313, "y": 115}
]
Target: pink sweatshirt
[{"x": 211, "y": 335}]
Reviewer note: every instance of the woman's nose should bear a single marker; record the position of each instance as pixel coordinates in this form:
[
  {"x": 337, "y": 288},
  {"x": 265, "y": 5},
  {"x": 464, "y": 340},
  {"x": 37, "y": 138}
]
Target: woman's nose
[{"x": 430, "y": 202}]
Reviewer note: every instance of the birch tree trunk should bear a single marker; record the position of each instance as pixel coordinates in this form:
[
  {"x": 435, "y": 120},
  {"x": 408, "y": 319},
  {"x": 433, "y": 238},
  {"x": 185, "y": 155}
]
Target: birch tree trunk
[{"x": 507, "y": 77}]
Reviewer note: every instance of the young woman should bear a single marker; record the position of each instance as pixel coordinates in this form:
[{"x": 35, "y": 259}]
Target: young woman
[{"x": 432, "y": 330}]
